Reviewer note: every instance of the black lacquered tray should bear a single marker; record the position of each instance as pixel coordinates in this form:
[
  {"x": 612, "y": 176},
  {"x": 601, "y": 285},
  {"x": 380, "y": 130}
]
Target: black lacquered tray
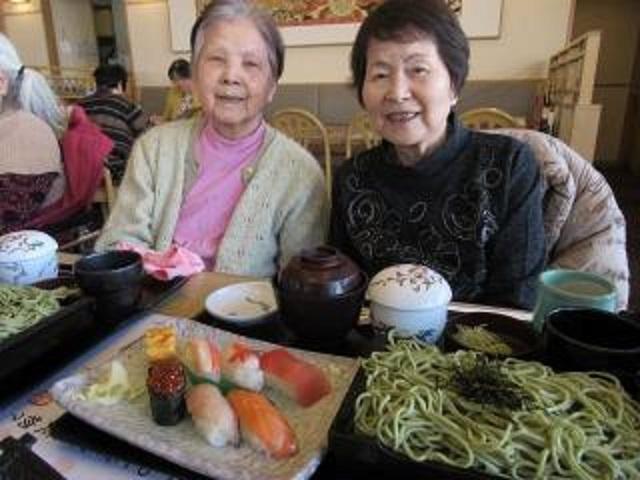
[
  {"x": 30, "y": 354},
  {"x": 72, "y": 430},
  {"x": 18, "y": 462},
  {"x": 73, "y": 318}
]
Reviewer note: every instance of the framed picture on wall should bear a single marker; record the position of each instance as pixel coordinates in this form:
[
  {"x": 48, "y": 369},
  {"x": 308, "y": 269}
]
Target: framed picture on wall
[{"x": 333, "y": 22}]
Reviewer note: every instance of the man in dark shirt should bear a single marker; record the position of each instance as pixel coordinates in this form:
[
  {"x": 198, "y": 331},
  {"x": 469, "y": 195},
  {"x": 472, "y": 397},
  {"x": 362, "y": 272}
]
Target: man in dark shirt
[{"x": 118, "y": 117}]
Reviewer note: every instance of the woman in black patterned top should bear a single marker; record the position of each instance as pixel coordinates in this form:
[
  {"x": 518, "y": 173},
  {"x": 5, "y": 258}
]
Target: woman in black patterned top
[{"x": 467, "y": 204}]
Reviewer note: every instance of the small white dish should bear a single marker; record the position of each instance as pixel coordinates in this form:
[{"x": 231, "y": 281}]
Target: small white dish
[{"x": 243, "y": 304}]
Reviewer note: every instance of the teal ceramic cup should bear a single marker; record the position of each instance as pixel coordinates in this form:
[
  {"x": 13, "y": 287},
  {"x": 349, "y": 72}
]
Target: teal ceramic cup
[{"x": 571, "y": 288}]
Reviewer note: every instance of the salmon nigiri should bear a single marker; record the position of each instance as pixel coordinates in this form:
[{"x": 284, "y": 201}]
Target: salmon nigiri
[
  {"x": 262, "y": 425},
  {"x": 298, "y": 379}
]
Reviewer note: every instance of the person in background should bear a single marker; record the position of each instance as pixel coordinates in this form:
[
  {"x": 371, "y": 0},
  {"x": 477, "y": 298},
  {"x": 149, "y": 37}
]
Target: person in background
[
  {"x": 118, "y": 117},
  {"x": 181, "y": 101},
  {"x": 32, "y": 92},
  {"x": 465, "y": 203},
  {"x": 224, "y": 184},
  {"x": 31, "y": 171}
]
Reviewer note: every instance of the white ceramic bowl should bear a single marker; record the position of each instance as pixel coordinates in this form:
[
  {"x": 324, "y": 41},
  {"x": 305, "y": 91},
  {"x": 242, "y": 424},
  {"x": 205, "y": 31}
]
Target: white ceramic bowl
[
  {"x": 413, "y": 299},
  {"x": 27, "y": 256},
  {"x": 243, "y": 304}
]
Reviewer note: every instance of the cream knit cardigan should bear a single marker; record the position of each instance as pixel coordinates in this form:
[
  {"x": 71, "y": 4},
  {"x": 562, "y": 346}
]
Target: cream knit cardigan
[{"x": 283, "y": 209}]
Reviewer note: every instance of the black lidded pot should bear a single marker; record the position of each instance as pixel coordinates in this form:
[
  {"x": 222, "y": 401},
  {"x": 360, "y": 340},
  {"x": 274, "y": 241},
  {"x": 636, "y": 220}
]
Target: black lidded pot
[{"x": 320, "y": 292}]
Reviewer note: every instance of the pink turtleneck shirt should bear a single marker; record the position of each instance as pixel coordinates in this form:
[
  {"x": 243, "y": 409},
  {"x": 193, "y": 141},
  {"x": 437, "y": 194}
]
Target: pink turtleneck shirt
[{"x": 208, "y": 206}]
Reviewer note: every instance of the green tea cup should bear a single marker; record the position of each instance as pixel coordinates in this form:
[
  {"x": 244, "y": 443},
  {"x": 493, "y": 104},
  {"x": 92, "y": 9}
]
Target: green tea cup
[{"x": 571, "y": 288}]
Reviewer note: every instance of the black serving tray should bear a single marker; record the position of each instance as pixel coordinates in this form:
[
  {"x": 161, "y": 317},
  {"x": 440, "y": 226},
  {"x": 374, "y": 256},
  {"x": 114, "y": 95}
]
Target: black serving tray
[
  {"x": 18, "y": 462},
  {"x": 32, "y": 354},
  {"x": 351, "y": 447},
  {"x": 72, "y": 430},
  {"x": 73, "y": 318}
]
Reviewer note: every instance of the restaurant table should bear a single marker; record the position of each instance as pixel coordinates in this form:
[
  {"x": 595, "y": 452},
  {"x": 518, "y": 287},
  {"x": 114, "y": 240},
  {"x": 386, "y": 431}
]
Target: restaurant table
[{"x": 34, "y": 411}]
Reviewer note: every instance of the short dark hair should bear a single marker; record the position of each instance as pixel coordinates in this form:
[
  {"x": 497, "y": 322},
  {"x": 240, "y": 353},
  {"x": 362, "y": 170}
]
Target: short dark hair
[
  {"x": 179, "y": 69},
  {"x": 224, "y": 10},
  {"x": 110, "y": 76},
  {"x": 407, "y": 20}
]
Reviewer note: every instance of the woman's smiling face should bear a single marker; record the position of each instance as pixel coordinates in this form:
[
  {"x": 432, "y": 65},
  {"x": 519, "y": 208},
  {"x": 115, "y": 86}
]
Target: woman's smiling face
[
  {"x": 233, "y": 78},
  {"x": 408, "y": 93}
]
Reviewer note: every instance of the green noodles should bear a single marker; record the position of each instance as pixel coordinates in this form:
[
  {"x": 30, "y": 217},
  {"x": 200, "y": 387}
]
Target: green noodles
[
  {"x": 582, "y": 425},
  {"x": 23, "y": 306}
]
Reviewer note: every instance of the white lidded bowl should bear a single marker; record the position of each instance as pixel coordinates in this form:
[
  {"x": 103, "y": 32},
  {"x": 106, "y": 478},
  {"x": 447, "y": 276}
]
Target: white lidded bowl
[
  {"x": 27, "y": 256},
  {"x": 411, "y": 298}
]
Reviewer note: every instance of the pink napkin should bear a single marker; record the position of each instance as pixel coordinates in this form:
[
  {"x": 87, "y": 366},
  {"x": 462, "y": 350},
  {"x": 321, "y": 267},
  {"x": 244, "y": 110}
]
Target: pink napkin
[{"x": 174, "y": 262}]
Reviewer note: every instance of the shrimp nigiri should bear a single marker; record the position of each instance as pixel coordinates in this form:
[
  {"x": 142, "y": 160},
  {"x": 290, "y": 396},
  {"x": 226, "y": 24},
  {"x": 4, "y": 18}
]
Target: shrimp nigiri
[
  {"x": 241, "y": 366},
  {"x": 212, "y": 415},
  {"x": 262, "y": 425}
]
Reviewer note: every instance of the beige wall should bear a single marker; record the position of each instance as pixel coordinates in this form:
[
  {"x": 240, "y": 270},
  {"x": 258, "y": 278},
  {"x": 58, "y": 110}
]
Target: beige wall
[
  {"x": 150, "y": 42},
  {"x": 532, "y": 30},
  {"x": 24, "y": 26},
  {"x": 75, "y": 33},
  {"x": 619, "y": 21}
]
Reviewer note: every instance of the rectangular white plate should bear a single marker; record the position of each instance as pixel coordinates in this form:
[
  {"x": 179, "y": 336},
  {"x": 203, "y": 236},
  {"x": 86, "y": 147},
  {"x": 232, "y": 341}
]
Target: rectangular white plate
[{"x": 131, "y": 420}]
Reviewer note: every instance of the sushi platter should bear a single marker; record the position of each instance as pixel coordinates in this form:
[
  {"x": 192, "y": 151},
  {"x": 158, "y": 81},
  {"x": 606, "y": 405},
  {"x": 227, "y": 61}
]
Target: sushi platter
[{"x": 177, "y": 373}]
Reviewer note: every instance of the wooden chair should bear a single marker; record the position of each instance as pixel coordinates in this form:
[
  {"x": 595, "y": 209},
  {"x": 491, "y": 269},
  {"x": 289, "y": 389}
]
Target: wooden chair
[
  {"x": 486, "y": 118},
  {"x": 105, "y": 198},
  {"x": 361, "y": 131},
  {"x": 306, "y": 129}
]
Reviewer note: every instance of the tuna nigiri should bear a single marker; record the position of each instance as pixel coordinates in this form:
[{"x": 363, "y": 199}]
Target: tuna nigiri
[
  {"x": 298, "y": 379},
  {"x": 212, "y": 415},
  {"x": 262, "y": 425},
  {"x": 203, "y": 358},
  {"x": 241, "y": 366}
]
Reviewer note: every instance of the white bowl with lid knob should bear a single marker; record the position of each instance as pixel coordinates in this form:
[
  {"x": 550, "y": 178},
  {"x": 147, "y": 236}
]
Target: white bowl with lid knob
[
  {"x": 411, "y": 298},
  {"x": 27, "y": 256}
]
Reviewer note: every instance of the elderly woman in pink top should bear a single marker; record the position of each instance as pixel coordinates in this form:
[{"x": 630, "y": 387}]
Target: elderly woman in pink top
[{"x": 224, "y": 184}]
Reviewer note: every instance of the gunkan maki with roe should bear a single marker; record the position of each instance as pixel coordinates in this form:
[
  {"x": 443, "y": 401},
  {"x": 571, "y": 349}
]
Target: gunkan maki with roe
[{"x": 166, "y": 384}]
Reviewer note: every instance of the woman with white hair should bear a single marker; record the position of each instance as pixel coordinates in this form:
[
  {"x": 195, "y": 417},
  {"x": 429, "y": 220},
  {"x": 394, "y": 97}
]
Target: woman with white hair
[
  {"x": 224, "y": 184},
  {"x": 31, "y": 171},
  {"x": 28, "y": 89}
]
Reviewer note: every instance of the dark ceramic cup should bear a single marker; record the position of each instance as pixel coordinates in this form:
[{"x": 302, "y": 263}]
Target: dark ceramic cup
[
  {"x": 114, "y": 278},
  {"x": 593, "y": 339}
]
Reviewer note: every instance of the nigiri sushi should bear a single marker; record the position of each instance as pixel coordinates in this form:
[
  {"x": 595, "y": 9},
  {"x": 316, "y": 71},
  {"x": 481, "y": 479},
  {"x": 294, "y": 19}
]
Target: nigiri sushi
[
  {"x": 212, "y": 415},
  {"x": 160, "y": 343},
  {"x": 241, "y": 366},
  {"x": 166, "y": 385},
  {"x": 262, "y": 425},
  {"x": 300, "y": 380},
  {"x": 203, "y": 358}
]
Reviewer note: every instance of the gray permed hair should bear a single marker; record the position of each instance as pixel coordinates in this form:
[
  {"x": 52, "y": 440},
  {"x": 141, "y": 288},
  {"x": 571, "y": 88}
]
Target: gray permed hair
[{"x": 219, "y": 10}]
